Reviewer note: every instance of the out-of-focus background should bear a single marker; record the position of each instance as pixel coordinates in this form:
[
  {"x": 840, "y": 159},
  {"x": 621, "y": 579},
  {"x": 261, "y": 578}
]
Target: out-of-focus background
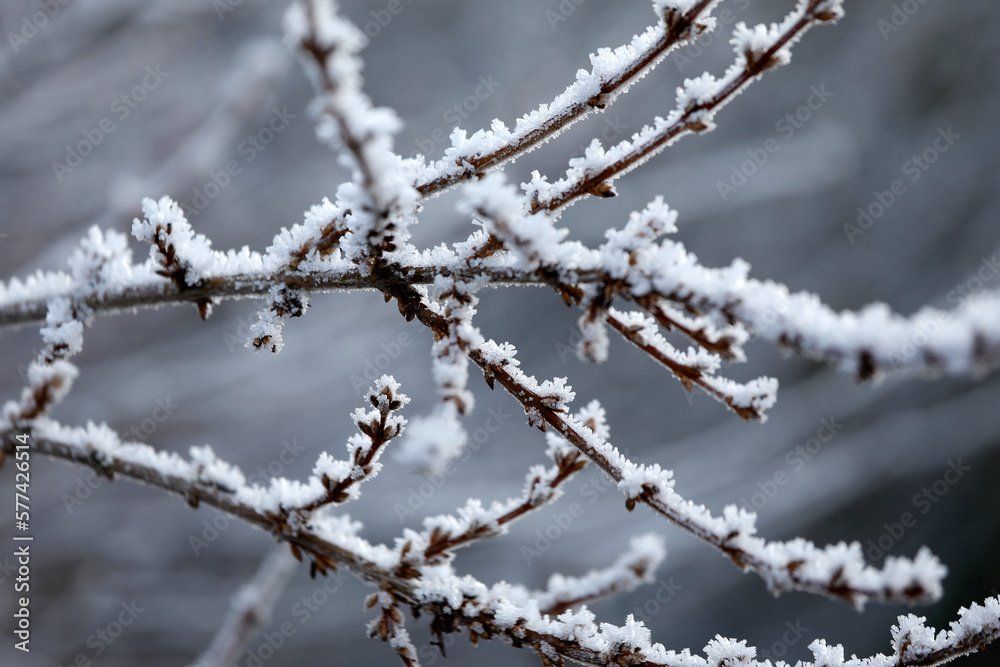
[{"x": 169, "y": 92}]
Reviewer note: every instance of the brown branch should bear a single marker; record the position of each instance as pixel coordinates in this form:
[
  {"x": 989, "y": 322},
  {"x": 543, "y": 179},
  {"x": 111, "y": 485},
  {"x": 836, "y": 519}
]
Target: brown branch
[
  {"x": 677, "y": 511},
  {"x": 678, "y": 29},
  {"x": 251, "y": 609},
  {"x": 441, "y": 544},
  {"x": 118, "y": 298},
  {"x": 479, "y": 619},
  {"x": 689, "y": 120},
  {"x": 688, "y": 375}
]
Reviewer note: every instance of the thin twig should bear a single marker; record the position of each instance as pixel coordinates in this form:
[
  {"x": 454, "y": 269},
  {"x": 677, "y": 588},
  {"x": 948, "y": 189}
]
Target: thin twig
[{"x": 251, "y": 610}]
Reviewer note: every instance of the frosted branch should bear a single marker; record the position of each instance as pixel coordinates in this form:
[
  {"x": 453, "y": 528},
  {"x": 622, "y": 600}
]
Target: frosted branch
[
  {"x": 632, "y": 568},
  {"x": 359, "y": 239},
  {"x": 500, "y": 611},
  {"x": 250, "y": 612},
  {"x": 612, "y": 73},
  {"x": 445, "y": 533},
  {"x": 382, "y": 207},
  {"x": 758, "y": 50},
  {"x": 388, "y": 625},
  {"x": 50, "y": 376}
]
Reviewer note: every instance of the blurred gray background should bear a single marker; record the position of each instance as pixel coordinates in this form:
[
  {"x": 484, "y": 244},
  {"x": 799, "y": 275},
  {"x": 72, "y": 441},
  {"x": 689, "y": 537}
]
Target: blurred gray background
[{"x": 221, "y": 73}]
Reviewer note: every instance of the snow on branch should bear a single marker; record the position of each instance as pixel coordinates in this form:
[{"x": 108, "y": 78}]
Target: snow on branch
[
  {"x": 381, "y": 200},
  {"x": 612, "y": 72},
  {"x": 696, "y": 367},
  {"x": 503, "y": 610},
  {"x": 388, "y": 625},
  {"x": 176, "y": 252},
  {"x": 631, "y": 569},
  {"x": 334, "y": 481},
  {"x": 442, "y": 534},
  {"x": 624, "y": 260},
  {"x": 50, "y": 375},
  {"x": 698, "y": 100},
  {"x": 360, "y": 240},
  {"x": 838, "y": 571},
  {"x": 283, "y": 302},
  {"x": 871, "y": 342}
]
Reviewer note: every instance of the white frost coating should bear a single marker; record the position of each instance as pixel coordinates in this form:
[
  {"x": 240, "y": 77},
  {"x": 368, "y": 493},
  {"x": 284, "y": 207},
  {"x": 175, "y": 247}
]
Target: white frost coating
[
  {"x": 930, "y": 342},
  {"x": 698, "y": 101},
  {"x": 646, "y": 328},
  {"x": 342, "y": 531},
  {"x": 381, "y": 198},
  {"x": 642, "y": 229},
  {"x": 645, "y": 553},
  {"x": 288, "y": 242},
  {"x": 450, "y": 369},
  {"x": 835, "y": 566},
  {"x": 362, "y": 463},
  {"x": 535, "y": 240},
  {"x": 165, "y": 224},
  {"x": 101, "y": 260},
  {"x": 282, "y": 302},
  {"x": 592, "y": 416},
  {"x": 594, "y": 341},
  {"x": 38, "y": 286},
  {"x": 534, "y": 128},
  {"x": 61, "y": 330},
  {"x": 267, "y": 329},
  {"x": 757, "y": 395},
  {"x": 434, "y": 440},
  {"x": 327, "y": 466},
  {"x": 661, "y": 7},
  {"x": 213, "y": 471},
  {"x": 100, "y": 443}
]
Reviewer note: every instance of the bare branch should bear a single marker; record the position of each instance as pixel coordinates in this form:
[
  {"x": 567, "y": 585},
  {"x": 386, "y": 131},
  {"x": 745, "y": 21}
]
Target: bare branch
[{"x": 251, "y": 610}]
